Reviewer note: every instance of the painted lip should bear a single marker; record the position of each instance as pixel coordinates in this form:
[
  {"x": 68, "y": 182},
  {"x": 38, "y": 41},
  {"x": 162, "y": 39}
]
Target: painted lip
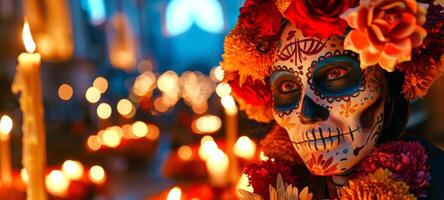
[{"x": 323, "y": 138}]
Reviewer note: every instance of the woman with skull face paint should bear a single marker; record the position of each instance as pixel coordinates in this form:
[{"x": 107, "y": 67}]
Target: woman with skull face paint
[{"x": 335, "y": 78}]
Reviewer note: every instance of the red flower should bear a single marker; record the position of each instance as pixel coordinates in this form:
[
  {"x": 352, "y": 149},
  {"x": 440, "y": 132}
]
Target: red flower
[
  {"x": 319, "y": 18},
  {"x": 264, "y": 174},
  {"x": 254, "y": 92},
  {"x": 261, "y": 18},
  {"x": 406, "y": 160}
]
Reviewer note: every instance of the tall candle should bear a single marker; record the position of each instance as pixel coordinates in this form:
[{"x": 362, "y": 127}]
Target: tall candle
[
  {"x": 27, "y": 82},
  {"x": 5, "y": 151},
  {"x": 231, "y": 126},
  {"x": 217, "y": 167}
]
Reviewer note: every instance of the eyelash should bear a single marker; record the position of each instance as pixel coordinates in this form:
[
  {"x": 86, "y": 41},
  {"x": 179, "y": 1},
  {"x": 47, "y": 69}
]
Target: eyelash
[
  {"x": 283, "y": 87},
  {"x": 336, "y": 73}
]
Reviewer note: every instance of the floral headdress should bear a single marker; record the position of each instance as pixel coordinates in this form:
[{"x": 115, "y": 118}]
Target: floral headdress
[{"x": 403, "y": 35}]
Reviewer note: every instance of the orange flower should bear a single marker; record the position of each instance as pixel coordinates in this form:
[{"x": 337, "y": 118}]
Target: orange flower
[
  {"x": 241, "y": 55},
  {"x": 379, "y": 185},
  {"x": 384, "y": 32}
]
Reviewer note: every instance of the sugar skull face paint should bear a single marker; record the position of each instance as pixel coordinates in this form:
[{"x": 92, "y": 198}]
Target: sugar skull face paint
[{"x": 332, "y": 110}]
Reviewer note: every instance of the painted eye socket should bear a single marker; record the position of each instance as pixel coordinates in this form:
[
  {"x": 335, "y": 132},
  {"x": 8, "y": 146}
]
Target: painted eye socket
[
  {"x": 337, "y": 76},
  {"x": 287, "y": 90},
  {"x": 287, "y": 87},
  {"x": 337, "y": 73}
]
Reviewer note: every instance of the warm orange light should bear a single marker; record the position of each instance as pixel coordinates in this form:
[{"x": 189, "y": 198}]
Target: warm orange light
[
  {"x": 153, "y": 132},
  {"x": 92, "y": 95},
  {"x": 24, "y": 175},
  {"x": 175, "y": 194},
  {"x": 5, "y": 125},
  {"x": 207, "y": 148},
  {"x": 111, "y": 138},
  {"x": 101, "y": 84},
  {"x": 140, "y": 129},
  {"x": 223, "y": 89},
  {"x": 245, "y": 148},
  {"x": 262, "y": 156},
  {"x": 104, "y": 111},
  {"x": 185, "y": 152},
  {"x": 65, "y": 92},
  {"x": 97, "y": 174},
  {"x": 72, "y": 169},
  {"x": 56, "y": 183},
  {"x": 94, "y": 143},
  {"x": 124, "y": 107},
  {"x": 27, "y": 38},
  {"x": 208, "y": 124},
  {"x": 229, "y": 104}
]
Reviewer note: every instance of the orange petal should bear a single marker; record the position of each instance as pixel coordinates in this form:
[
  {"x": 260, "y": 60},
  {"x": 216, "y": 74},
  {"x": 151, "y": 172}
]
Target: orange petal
[
  {"x": 368, "y": 59},
  {"x": 398, "y": 48},
  {"x": 363, "y": 18},
  {"x": 417, "y": 37},
  {"x": 356, "y": 40},
  {"x": 351, "y": 17},
  {"x": 422, "y": 12},
  {"x": 405, "y": 27},
  {"x": 378, "y": 33},
  {"x": 387, "y": 62},
  {"x": 397, "y": 5}
]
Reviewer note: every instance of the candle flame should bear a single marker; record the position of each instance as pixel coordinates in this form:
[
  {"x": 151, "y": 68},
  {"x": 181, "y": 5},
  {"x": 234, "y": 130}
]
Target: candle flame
[
  {"x": 5, "y": 124},
  {"x": 175, "y": 194},
  {"x": 27, "y": 38}
]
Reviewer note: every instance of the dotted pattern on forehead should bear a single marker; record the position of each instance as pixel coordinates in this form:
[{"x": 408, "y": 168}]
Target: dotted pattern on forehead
[
  {"x": 279, "y": 68},
  {"x": 339, "y": 98}
]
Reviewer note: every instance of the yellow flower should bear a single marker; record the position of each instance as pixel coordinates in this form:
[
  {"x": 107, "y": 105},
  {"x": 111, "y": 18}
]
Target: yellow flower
[
  {"x": 241, "y": 55},
  {"x": 378, "y": 185},
  {"x": 281, "y": 192}
]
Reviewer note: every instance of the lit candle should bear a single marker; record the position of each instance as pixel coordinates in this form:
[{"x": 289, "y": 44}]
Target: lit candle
[
  {"x": 245, "y": 148},
  {"x": 175, "y": 194},
  {"x": 231, "y": 127},
  {"x": 217, "y": 167},
  {"x": 5, "y": 151},
  {"x": 27, "y": 82},
  {"x": 57, "y": 183}
]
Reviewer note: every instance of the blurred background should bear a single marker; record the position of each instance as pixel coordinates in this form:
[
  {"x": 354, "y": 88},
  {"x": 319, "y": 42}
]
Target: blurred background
[{"x": 133, "y": 98}]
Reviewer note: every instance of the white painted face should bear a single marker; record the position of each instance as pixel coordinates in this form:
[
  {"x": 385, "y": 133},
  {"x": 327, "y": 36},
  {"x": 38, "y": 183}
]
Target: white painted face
[{"x": 332, "y": 110}]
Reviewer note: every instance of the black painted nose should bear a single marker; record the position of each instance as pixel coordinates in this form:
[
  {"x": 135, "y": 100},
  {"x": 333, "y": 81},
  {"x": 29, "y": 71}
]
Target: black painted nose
[{"x": 311, "y": 112}]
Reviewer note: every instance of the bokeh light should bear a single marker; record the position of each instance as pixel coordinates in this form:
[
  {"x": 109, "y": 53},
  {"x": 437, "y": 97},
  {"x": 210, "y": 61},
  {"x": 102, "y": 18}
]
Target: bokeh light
[
  {"x": 140, "y": 129},
  {"x": 57, "y": 183},
  {"x": 97, "y": 174},
  {"x": 111, "y": 138},
  {"x": 104, "y": 111},
  {"x": 153, "y": 132},
  {"x": 94, "y": 142},
  {"x": 245, "y": 148},
  {"x": 125, "y": 107},
  {"x": 65, "y": 92},
  {"x": 92, "y": 95},
  {"x": 72, "y": 169},
  {"x": 101, "y": 84},
  {"x": 207, "y": 124},
  {"x": 185, "y": 152}
]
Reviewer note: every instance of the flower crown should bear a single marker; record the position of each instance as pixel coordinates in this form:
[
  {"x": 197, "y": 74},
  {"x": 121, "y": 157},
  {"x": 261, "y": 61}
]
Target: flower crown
[{"x": 402, "y": 35}]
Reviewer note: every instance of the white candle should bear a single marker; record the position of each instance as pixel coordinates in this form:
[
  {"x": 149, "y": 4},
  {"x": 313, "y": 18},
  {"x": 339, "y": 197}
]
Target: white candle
[
  {"x": 245, "y": 148},
  {"x": 217, "y": 167},
  {"x": 5, "y": 151},
  {"x": 231, "y": 126},
  {"x": 27, "y": 82}
]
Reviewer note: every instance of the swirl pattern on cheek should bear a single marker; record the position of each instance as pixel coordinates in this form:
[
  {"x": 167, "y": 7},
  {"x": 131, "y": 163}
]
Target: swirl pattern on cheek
[{"x": 341, "y": 97}]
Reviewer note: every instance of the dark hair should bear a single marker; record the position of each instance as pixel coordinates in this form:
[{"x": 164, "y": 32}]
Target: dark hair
[{"x": 396, "y": 110}]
